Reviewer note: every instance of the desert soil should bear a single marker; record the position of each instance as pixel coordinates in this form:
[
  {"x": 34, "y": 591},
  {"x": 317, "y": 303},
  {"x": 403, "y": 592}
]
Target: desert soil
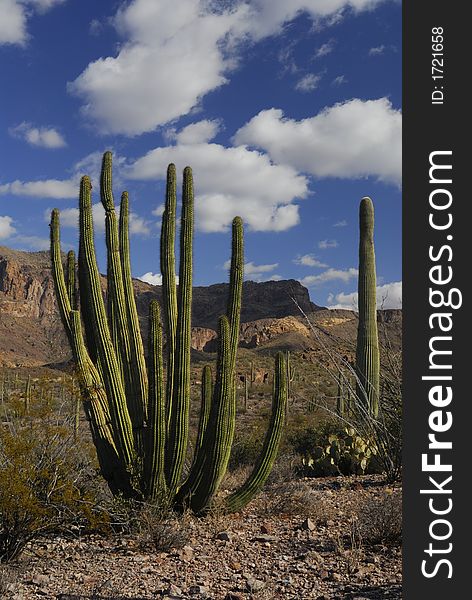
[{"x": 295, "y": 541}]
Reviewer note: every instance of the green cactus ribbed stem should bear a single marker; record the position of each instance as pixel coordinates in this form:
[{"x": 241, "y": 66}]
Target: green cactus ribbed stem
[
  {"x": 235, "y": 285},
  {"x": 367, "y": 354},
  {"x": 154, "y": 473},
  {"x": 113, "y": 374},
  {"x": 205, "y": 407},
  {"x": 137, "y": 360},
  {"x": 169, "y": 288},
  {"x": 115, "y": 295},
  {"x": 27, "y": 394},
  {"x": 135, "y": 393},
  {"x": 238, "y": 500},
  {"x": 112, "y": 377},
  {"x": 219, "y": 433},
  {"x": 209, "y": 463},
  {"x": 61, "y": 289},
  {"x": 87, "y": 367},
  {"x": 111, "y": 464},
  {"x": 71, "y": 279},
  {"x": 180, "y": 404}
]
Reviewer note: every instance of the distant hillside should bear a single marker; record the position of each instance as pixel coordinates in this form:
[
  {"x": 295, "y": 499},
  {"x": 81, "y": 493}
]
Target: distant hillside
[{"x": 30, "y": 328}]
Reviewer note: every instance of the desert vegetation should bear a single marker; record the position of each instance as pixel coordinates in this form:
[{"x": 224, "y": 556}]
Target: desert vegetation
[{"x": 240, "y": 472}]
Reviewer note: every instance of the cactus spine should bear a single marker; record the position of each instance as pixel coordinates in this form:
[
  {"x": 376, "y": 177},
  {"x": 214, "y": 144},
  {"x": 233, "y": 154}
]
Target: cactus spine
[
  {"x": 139, "y": 422},
  {"x": 367, "y": 355}
]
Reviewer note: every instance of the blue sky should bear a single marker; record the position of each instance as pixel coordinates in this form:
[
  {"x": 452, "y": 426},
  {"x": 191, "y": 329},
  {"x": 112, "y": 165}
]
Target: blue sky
[{"x": 288, "y": 112}]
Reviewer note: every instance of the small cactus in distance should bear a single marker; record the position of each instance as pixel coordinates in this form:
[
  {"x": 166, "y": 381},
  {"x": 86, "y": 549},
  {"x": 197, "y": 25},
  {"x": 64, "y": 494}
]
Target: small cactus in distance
[{"x": 367, "y": 353}]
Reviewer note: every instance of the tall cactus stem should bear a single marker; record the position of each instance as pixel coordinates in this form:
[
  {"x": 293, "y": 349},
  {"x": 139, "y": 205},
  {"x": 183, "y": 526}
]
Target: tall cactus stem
[
  {"x": 367, "y": 354},
  {"x": 169, "y": 288},
  {"x": 154, "y": 474},
  {"x": 180, "y": 404},
  {"x": 239, "y": 499},
  {"x": 71, "y": 284}
]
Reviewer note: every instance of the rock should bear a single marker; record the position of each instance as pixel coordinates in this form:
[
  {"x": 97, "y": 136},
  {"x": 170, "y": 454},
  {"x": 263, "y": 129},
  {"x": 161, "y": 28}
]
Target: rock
[
  {"x": 198, "y": 590},
  {"x": 324, "y": 574},
  {"x": 313, "y": 556},
  {"x": 266, "y": 527},
  {"x": 308, "y": 525},
  {"x": 186, "y": 553},
  {"x": 224, "y": 536},
  {"x": 336, "y": 577},
  {"x": 233, "y": 596},
  {"x": 173, "y": 590},
  {"x": 265, "y": 538},
  {"x": 40, "y": 580},
  {"x": 254, "y": 585},
  {"x": 236, "y": 566},
  {"x": 201, "y": 336}
]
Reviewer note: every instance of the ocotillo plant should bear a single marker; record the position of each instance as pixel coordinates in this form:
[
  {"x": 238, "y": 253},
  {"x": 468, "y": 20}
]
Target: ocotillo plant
[
  {"x": 139, "y": 422},
  {"x": 367, "y": 354},
  {"x": 340, "y": 400}
]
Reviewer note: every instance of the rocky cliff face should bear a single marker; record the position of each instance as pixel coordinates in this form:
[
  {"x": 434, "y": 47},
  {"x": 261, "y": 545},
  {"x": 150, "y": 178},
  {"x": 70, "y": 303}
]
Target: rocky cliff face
[
  {"x": 26, "y": 288},
  {"x": 31, "y": 332}
]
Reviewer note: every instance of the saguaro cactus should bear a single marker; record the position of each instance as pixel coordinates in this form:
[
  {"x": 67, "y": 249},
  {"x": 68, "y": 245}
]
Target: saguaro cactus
[
  {"x": 367, "y": 354},
  {"x": 139, "y": 421}
]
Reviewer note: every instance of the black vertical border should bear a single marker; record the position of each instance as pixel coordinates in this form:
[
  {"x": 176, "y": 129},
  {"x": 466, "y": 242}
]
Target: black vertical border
[{"x": 427, "y": 128}]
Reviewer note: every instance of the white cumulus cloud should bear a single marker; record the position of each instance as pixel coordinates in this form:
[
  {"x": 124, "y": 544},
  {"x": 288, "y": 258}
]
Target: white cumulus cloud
[
  {"x": 389, "y": 295},
  {"x": 269, "y": 16},
  {"x": 344, "y": 275},
  {"x": 231, "y": 181},
  {"x": 326, "y": 244},
  {"x": 14, "y": 15},
  {"x": 308, "y": 83},
  {"x": 151, "y": 278},
  {"x": 65, "y": 188},
  {"x": 309, "y": 260},
  {"x": 6, "y": 227},
  {"x": 196, "y": 133},
  {"x": 44, "y": 137},
  {"x": 325, "y": 49},
  {"x": 353, "y": 139},
  {"x": 48, "y": 188},
  {"x": 174, "y": 53},
  {"x": 257, "y": 272},
  {"x": 32, "y": 242},
  {"x": 377, "y": 50},
  {"x": 171, "y": 58}
]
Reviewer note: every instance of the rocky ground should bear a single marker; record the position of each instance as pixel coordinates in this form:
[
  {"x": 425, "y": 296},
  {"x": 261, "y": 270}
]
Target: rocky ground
[{"x": 324, "y": 539}]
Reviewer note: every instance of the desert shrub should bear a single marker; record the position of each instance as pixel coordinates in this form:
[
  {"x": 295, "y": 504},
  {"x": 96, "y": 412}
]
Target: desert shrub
[
  {"x": 247, "y": 446},
  {"x": 156, "y": 526},
  {"x": 46, "y": 485},
  {"x": 379, "y": 520},
  {"x": 162, "y": 530},
  {"x": 8, "y": 579},
  {"x": 284, "y": 469},
  {"x": 301, "y": 500}
]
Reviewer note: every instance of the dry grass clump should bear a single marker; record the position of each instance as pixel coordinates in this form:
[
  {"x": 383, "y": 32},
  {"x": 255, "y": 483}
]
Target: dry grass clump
[
  {"x": 8, "y": 579},
  {"x": 161, "y": 532},
  {"x": 299, "y": 499},
  {"x": 379, "y": 520}
]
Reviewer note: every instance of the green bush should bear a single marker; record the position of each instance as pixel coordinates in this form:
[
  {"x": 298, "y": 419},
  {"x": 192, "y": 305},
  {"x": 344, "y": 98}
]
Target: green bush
[{"x": 45, "y": 486}]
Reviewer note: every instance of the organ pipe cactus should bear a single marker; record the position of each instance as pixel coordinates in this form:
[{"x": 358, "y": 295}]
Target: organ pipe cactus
[
  {"x": 140, "y": 419},
  {"x": 367, "y": 354}
]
